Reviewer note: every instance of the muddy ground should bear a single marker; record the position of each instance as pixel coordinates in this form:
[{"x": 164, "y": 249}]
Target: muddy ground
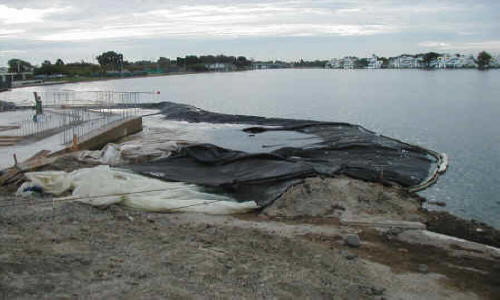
[{"x": 75, "y": 251}]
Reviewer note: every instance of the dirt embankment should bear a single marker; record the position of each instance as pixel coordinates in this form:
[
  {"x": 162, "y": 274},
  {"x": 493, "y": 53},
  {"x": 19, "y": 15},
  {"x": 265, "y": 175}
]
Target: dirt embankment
[
  {"x": 76, "y": 251},
  {"x": 349, "y": 199}
]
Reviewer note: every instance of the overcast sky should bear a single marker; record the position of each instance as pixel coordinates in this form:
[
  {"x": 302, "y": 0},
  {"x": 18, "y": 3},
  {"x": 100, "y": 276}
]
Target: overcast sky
[{"x": 290, "y": 30}]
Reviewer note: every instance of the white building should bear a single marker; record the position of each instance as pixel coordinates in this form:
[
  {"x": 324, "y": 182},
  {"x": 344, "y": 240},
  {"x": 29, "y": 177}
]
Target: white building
[
  {"x": 334, "y": 63},
  {"x": 220, "y": 67},
  {"x": 348, "y": 62},
  {"x": 406, "y": 62},
  {"x": 469, "y": 61},
  {"x": 495, "y": 61},
  {"x": 455, "y": 62},
  {"x": 374, "y": 63},
  {"x": 442, "y": 61}
]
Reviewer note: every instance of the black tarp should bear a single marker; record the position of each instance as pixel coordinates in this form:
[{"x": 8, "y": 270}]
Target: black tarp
[{"x": 343, "y": 149}]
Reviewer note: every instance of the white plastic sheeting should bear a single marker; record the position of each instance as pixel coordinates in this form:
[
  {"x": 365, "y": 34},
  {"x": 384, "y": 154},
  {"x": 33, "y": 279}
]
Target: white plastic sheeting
[
  {"x": 53, "y": 182},
  {"x": 129, "y": 152},
  {"x": 103, "y": 186}
]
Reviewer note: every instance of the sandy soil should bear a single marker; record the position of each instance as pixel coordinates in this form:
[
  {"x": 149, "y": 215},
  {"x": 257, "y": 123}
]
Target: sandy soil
[{"x": 76, "y": 251}]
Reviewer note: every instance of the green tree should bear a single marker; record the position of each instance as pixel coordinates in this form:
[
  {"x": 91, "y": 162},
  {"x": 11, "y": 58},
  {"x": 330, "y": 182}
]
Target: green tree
[
  {"x": 181, "y": 62},
  {"x": 191, "y": 60},
  {"x": 242, "y": 62},
  {"x": 18, "y": 66},
  {"x": 483, "y": 60},
  {"x": 59, "y": 62},
  {"x": 429, "y": 57},
  {"x": 110, "y": 60},
  {"x": 208, "y": 59},
  {"x": 361, "y": 63},
  {"x": 385, "y": 62}
]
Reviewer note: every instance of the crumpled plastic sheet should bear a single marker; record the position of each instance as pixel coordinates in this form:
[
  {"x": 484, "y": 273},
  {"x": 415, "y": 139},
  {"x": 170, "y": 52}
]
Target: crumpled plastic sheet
[
  {"x": 130, "y": 152},
  {"x": 104, "y": 186},
  {"x": 337, "y": 149}
]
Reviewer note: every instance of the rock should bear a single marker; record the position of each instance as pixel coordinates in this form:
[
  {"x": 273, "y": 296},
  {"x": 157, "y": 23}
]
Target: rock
[
  {"x": 438, "y": 203},
  {"x": 422, "y": 268},
  {"x": 350, "y": 256},
  {"x": 352, "y": 240},
  {"x": 394, "y": 231},
  {"x": 377, "y": 291}
]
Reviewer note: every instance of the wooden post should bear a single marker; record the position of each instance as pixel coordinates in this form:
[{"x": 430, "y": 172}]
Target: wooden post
[
  {"x": 75, "y": 143},
  {"x": 15, "y": 159}
]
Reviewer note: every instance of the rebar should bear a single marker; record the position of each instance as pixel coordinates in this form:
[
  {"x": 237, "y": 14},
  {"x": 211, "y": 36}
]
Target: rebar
[{"x": 81, "y": 112}]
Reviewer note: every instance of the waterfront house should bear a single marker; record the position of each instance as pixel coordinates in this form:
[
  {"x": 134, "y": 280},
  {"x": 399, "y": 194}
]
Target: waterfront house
[
  {"x": 271, "y": 65},
  {"x": 15, "y": 79},
  {"x": 405, "y": 62},
  {"x": 442, "y": 61},
  {"x": 334, "y": 64},
  {"x": 349, "y": 62},
  {"x": 495, "y": 61},
  {"x": 470, "y": 62},
  {"x": 374, "y": 63},
  {"x": 454, "y": 62},
  {"x": 457, "y": 61},
  {"x": 220, "y": 67},
  {"x": 260, "y": 66}
]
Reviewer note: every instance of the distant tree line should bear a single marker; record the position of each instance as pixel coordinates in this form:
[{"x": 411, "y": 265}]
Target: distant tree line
[
  {"x": 71, "y": 69},
  {"x": 112, "y": 63},
  {"x": 310, "y": 64}
]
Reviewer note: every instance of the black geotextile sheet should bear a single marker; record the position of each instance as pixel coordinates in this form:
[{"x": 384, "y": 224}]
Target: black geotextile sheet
[{"x": 345, "y": 149}]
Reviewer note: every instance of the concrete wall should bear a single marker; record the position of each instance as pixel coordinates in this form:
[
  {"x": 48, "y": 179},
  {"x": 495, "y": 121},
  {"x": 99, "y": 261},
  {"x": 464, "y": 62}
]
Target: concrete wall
[{"x": 110, "y": 133}]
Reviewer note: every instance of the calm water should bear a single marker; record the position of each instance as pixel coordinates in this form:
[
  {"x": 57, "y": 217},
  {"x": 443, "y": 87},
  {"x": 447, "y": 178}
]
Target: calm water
[{"x": 456, "y": 112}]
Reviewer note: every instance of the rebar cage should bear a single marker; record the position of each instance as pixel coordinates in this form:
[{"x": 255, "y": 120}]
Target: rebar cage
[{"x": 78, "y": 113}]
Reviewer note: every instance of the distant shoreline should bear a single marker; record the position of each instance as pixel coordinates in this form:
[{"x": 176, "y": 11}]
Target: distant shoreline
[{"x": 95, "y": 79}]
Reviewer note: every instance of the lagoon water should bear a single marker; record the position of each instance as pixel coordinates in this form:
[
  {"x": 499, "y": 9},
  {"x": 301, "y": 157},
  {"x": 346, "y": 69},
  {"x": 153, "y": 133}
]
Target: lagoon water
[{"x": 455, "y": 111}]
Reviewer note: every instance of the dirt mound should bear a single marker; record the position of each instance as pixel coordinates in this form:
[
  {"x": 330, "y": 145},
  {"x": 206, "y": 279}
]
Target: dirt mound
[{"x": 345, "y": 197}]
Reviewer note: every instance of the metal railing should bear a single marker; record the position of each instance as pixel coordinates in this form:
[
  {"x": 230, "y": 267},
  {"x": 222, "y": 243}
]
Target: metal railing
[{"x": 78, "y": 113}]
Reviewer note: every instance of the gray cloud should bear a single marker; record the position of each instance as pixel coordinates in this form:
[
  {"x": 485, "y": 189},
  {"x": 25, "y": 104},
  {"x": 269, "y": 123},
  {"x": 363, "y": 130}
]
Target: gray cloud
[{"x": 73, "y": 26}]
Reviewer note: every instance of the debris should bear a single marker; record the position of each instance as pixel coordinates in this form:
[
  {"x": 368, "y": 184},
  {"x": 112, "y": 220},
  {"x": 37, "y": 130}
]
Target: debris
[
  {"x": 352, "y": 240},
  {"x": 351, "y": 256},
  {"x": 438, "y": 203},
  {"x": 377, "y": 291},
  {"x": 422, "y": 268}
]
